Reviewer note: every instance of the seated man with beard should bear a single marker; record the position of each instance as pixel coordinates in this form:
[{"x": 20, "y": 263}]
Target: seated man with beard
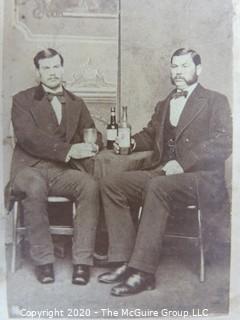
[{"x": 190, "y": 135}]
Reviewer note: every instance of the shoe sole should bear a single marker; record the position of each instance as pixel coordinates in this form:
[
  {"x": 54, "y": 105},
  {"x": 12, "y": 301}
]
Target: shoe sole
[
  {"x": 46, "y": 281},
  {"x": 130, "y": 294},
  {"x": 79, "y": 283},
  {"x": 109, "y": 282}
]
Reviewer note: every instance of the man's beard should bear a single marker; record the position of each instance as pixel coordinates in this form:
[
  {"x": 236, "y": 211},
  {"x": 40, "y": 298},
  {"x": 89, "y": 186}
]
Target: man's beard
[{"x": 188, "y": 82}]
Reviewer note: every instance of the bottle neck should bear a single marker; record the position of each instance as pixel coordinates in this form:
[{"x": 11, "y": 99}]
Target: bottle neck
[
  {"x": 113, "y": 118},
  {"x": 124, "y": 118},
  {"x": 124, "y": 115}
]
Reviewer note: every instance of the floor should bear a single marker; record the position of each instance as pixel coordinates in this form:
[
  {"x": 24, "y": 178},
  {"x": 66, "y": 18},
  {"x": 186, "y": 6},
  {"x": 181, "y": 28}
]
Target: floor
[{"x": 177, "y": 289}]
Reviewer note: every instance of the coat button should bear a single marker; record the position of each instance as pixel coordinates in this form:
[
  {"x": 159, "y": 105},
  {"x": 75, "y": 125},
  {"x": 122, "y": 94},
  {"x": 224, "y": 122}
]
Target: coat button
[{"x": 186, "y": 140}]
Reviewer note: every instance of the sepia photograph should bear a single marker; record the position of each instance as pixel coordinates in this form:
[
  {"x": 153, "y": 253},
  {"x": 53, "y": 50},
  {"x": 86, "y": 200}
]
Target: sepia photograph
[{"x": 120, "y": 159}]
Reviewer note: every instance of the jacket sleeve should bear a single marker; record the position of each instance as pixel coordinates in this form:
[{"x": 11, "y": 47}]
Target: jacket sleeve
[
  {"x": 32, "y": 139},
  {"x": 145, "y": 139},
  {"x": 218, "y": 147}
]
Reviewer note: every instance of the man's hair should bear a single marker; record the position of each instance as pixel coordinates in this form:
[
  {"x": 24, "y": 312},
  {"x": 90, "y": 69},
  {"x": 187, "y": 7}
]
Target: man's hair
[
  {"x": 44, "y": 54},
  {"x": 195, "y": 56}
]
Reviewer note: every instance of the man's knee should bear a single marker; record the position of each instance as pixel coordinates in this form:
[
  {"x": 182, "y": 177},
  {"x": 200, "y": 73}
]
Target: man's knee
[
  {"x": 30, "y": 182},
  {"x": 159, "y": 186},
  {"x": 85, "y": 184}
]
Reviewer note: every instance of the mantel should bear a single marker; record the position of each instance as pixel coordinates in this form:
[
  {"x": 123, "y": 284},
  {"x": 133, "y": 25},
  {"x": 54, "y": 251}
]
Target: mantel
[{"x": 90, "y": 95}]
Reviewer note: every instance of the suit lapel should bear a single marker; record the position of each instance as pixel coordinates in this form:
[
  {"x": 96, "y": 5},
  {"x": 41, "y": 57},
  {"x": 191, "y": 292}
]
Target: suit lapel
[
  {"x": 194, "y": 105},
  {"x": 160, "y": 124},
  {"x": 41, "y": 110},
  {"x": 72, "y": 111}
]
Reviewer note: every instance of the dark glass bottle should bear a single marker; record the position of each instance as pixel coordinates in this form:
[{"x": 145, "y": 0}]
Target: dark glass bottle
[{"x": 112, "y": 129}]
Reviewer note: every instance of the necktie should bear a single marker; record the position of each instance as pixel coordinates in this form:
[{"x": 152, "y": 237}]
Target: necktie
[
  {"x": 177, "y": 105},
  {"x": 179, "y": 94},
  {"x": 56, "y": 100},
  {"x": 59, "y": 95}
]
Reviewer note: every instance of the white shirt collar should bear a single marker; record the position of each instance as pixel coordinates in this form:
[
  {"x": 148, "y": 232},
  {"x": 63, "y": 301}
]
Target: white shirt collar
[{"x": 191, "y": 88}]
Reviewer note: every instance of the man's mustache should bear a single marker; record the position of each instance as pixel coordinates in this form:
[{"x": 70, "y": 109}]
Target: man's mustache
[{"x": 179, "y": 78}]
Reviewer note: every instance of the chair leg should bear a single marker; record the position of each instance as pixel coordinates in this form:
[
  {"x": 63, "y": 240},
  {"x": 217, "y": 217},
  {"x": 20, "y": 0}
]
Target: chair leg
[
  {"x": 14, "y": 235},
  {"x": 201, "y": 249},
  {"x": 139, "y": 213},
  {"x": 74, "y": 209}
]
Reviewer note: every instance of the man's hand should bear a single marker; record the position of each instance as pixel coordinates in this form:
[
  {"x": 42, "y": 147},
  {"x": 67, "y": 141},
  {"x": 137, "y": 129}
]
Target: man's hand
[
  {"x": 82, "y": 150},
  {"x": 172, "y": 167},
  {"x": 116, "y": 147}
]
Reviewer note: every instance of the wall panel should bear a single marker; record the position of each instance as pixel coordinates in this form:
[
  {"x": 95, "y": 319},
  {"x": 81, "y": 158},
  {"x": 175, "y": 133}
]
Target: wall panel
[
  {"x": 84, "y": 32},
  {"x": 151, "y": 31}
]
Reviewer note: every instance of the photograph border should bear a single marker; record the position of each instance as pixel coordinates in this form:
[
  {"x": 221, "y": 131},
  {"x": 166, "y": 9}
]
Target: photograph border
[{"x": 235, "y": 240}]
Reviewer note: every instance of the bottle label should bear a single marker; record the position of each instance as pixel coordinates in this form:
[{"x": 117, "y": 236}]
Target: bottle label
[
  {"x": 111, "y": 134},
  {"x": 124, "y": 137}
]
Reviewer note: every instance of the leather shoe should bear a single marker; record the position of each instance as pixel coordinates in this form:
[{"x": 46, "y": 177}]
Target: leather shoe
[
  {"x": 80, "y": 274},
  {"x": 45, "y": 273},
  {"x": 117, "y": 275},
  {"x": 137, "y": 282}
]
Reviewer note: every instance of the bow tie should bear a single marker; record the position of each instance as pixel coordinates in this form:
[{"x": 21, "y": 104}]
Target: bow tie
[
  {"x": 59, "y": 95},
  {"x": 179, "y": 94}
]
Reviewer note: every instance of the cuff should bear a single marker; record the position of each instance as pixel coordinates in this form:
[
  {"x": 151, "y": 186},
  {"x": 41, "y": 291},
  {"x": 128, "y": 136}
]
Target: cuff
[
  {"x": 133, "y": 145},
  {"x": 68, "y": 157}
]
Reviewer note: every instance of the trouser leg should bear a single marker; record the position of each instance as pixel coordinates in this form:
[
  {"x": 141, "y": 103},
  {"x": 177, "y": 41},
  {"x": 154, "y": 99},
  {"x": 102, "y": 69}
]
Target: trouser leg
[
  {"x": 118, "y": 193},
  {"x": 33, "y": 183},
  {"x": 83, "y": 189},
  {"x": 160, "y": 194}
]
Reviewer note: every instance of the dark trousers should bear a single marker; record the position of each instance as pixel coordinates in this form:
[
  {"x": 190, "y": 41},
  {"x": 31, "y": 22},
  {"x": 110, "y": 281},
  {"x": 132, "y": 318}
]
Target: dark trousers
[
  {"x": 142, "y": 248},
  {"x": 42, "y": 181}
]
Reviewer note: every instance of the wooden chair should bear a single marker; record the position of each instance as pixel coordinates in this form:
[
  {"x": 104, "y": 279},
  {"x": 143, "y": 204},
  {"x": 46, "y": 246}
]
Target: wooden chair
[
  {"x": 178, "y": 233},
  {"x": 19, "y": 230}
]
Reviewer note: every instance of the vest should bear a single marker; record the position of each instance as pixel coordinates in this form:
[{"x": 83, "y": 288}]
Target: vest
[
  {"x": 169, "y": 152},
  {"x": 58, "y": 130}
]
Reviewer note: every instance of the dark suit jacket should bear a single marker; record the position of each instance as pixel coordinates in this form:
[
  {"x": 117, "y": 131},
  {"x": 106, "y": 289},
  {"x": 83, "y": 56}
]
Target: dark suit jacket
[
  {"x": 34, "y": 132},
  {"x": 203, "y": 140}
]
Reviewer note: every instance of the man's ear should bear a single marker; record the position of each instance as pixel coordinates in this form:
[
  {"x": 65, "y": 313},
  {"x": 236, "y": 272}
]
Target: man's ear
[{"x": 198, "y": 69}]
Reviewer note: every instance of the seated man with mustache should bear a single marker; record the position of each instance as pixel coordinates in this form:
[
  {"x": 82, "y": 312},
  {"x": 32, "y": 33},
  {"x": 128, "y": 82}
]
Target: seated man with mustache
[
  {"x": 190, "y": 135},
  {"x": 48, "y": 123}
]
